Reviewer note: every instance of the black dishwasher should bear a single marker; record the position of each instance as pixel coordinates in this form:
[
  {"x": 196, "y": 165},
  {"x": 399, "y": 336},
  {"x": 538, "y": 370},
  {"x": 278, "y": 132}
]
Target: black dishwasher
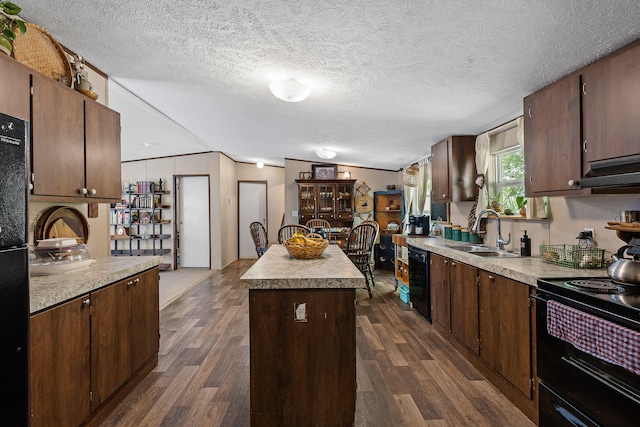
[{"x": 419, "y": 280}]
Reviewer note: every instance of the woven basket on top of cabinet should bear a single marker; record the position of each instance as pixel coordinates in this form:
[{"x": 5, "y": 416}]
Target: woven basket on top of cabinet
[{"x": 39, "y": 50}]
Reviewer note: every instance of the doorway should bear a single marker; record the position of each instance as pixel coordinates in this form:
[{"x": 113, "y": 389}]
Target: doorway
[
  {"x": 192, "y": 221},
  {"x": 252, "y": 206}
]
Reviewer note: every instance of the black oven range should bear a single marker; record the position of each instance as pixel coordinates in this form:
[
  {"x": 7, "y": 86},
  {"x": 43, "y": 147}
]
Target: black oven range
[{"x": 588, "y": 346}]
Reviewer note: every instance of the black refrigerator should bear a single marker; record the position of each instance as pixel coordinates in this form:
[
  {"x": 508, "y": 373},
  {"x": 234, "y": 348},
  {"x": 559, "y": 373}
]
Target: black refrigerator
[{"x": 14, "y": 272}]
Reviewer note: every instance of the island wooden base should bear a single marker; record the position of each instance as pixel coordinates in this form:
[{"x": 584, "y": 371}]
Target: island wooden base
[{"x": 303, "y": 372}]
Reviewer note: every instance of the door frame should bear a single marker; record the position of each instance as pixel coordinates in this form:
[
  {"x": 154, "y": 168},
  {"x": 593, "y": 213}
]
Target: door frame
[
  {"x": 266, "y": 199},
  {"x": 176, "y": 214}
]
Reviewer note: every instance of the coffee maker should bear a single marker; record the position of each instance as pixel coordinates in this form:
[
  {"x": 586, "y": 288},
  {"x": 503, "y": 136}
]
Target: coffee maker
[
  {"x": 418, "y": 225},
  {"x": 412, "y": 225}
]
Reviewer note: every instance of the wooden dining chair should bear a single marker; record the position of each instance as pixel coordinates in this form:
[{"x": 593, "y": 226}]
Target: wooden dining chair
[
  {"x": 320, "y": 226},
  {"x": 287, "y": 231},
  {"x": 359, "y": 247},
  {"x": 259, "y": 236}
]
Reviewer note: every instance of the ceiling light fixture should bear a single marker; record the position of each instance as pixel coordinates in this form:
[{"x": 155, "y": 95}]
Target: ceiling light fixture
[
  {"x": 260, "y": 165},
  {"x": 289, "y": 90},
  {"x": 325, "y": 154}
]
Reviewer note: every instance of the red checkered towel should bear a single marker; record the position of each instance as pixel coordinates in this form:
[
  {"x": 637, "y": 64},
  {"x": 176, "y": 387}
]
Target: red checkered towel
[{"x": 598, "y": 337}]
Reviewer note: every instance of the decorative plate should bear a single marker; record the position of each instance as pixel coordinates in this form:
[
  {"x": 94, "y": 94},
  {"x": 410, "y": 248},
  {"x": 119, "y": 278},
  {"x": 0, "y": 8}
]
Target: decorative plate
[{"x": 364, "y": 204}]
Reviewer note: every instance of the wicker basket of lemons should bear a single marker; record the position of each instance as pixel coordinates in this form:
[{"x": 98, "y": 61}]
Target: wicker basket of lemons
[{"x": 306, "y": 247}]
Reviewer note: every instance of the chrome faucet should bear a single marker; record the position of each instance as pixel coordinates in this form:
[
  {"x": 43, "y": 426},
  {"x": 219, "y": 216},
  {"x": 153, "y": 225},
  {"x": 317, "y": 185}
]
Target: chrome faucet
[{"x": 500, "y": 242}]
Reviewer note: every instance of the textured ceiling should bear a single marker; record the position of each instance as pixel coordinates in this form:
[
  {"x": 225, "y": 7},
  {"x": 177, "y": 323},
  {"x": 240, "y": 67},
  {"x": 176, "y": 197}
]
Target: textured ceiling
[{"x": 390, "y": 78}]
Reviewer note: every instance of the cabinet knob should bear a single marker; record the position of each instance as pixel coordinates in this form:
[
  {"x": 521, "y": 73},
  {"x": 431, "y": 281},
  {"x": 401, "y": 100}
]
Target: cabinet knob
[
  {"x": 84, "y": 191},
  {"x": 491, "y": 278},
  {"x": 530, "y": 178},
  {"x": 87, "y": 302},
  {"x": 444, "y": 195},
  {"x": 453, "y": 263},
  {"x": 93, "y": 191},
  {"x": 446, "y": 262},
  {"x": 573, "y": 183}
]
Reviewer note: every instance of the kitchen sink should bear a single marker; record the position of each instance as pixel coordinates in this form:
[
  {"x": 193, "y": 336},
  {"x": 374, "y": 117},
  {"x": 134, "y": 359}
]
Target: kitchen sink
[
  {"x": 484, "y": 251},
  {"x": 468, "y": 248},
  {"x": 495, "y": 253}
]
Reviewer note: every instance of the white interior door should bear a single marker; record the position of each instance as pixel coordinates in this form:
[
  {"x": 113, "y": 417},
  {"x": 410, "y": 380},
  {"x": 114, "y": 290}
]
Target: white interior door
[
  {"x": 252, "y": 207},
  {"x": 194, "y": 221}
]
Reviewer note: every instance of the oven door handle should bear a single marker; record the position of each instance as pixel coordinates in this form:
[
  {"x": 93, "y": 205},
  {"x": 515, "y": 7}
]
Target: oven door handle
[
  {"x": 538, "y": 297},
  {"x": 582, "y": 306}
]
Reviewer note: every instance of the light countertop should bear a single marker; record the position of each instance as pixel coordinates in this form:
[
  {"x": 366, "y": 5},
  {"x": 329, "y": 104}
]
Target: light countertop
[
  {"x": 276, "y": 269},
  {"x": 522, "y": 269},
  {"x": 47, "y": 291}
]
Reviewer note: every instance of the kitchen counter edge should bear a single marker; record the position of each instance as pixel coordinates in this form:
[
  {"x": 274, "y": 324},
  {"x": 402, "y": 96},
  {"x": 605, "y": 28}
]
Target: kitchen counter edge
[
  {"x": 49, "y": 291},
  {"x": 276, "y": 269},
  {"x": 522, "y": 269}
]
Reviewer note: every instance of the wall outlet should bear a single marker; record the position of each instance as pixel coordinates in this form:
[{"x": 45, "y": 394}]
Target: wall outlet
[
  {"x": 593, "y": 232},
  {"x": 294, "y": 214}
]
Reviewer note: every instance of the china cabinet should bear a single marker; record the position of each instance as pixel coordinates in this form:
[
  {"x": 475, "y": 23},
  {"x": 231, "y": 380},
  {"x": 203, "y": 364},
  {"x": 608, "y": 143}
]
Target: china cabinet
[{"x": 331, "y": 200}]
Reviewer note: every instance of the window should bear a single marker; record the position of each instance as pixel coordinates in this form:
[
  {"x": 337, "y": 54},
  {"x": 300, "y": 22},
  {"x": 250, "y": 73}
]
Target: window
[{"x": 509, "y": 182}]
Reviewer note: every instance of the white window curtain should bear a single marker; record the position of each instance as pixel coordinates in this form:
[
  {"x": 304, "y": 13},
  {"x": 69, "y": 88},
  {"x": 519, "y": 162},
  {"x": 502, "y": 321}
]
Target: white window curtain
[
  {"x": 483, "y": 157},
  {"x": 536, "y": 207},
  {"x": 410, "y": 194},
  {"x": 424, "y": 176},
  {"x": 417, "y": 197}
]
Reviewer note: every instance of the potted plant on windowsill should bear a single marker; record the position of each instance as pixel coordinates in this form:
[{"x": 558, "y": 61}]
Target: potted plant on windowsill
[
  {"x": 494, "y": 202},
  {"x": 9, "y": 22},
  {"x": 521, "y": 201}
]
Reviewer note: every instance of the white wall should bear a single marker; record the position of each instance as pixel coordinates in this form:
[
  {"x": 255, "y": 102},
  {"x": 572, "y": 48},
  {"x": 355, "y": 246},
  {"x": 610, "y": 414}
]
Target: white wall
[{"x": 224, "y": 173}]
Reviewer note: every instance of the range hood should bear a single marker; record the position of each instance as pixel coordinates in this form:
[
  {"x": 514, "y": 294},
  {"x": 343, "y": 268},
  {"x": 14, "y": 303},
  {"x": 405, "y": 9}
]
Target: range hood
[{"x": 620, "y": 172}]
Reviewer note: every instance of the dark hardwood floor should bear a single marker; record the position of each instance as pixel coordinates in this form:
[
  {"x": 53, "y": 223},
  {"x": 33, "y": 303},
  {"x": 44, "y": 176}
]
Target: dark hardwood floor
[{"x": 407, "y": 375}]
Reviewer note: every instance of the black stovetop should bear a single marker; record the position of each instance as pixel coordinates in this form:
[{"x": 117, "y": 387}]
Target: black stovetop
[{"x": 600, "y": 291}]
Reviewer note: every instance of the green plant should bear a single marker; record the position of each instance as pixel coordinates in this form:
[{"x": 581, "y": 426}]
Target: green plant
[
  {"x": 521, "y": 201},
  {"x": 494, "y": 202},
  {"x": 9, "y": 22}
]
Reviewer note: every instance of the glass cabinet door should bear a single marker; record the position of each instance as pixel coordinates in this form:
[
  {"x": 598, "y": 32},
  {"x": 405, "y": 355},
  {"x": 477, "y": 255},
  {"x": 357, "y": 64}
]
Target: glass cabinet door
[
  {"x": 307, "y": 206},
  {"x": 326, "y": 194},
  {"x": 344, "y": 199}
]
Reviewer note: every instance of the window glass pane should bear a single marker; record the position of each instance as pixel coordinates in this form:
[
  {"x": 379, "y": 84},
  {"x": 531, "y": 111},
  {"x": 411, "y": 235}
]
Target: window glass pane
[
  {"x": 509, "y": 178},
  {"x": 511, "y": 166}
]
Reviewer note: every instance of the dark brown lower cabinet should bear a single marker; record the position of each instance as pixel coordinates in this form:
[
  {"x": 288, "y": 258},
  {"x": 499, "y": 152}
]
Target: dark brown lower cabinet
[
  {"x": 488, "y": 318},
  {"x": 60, "y": 365},
  {"x": 302, "y": 372},
  {"x": 81, "y": 360},
  {"x": 440, "y": 291},
  {"x": 505, "y": 329},
  {"x": 464, "y": 304}
]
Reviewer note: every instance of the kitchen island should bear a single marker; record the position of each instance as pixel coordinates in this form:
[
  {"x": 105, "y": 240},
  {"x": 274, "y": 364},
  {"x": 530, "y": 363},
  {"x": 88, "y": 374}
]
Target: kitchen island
[{"x": 303, "y": 338}]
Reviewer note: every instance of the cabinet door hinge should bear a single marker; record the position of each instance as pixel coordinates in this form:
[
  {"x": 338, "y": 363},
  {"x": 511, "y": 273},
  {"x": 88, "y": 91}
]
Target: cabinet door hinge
[
  {"x": 584, "y": 146},
  {"x": 479, "y": 345},
  {"x": 533, "y": 384},
  {"x": 31, "y": 91},
  {"x": 478, "y": 280},
  {"x": 584, "y": 88},
  {"x": 90, "y": 396}
]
